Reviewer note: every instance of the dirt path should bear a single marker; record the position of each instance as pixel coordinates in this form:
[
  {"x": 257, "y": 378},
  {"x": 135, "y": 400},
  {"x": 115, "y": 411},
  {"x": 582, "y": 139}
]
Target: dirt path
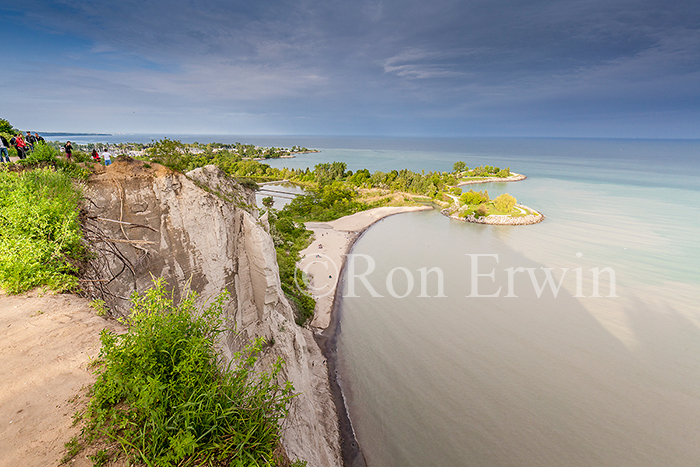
[{"x": 46, "y": 343}]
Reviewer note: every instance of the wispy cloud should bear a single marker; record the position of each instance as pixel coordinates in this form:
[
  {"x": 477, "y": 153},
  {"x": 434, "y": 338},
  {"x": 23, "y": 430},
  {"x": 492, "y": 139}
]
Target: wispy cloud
[{"x": 370, "y": 60}]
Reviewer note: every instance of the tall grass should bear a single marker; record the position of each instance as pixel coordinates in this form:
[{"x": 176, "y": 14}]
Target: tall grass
[
  {"x": 39, "y": 230},
  {"x": 161, "y": 392}
]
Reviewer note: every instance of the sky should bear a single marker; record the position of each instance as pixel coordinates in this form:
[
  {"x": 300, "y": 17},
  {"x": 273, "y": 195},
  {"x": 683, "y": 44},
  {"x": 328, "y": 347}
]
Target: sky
[{"x": 453, "y": 68}]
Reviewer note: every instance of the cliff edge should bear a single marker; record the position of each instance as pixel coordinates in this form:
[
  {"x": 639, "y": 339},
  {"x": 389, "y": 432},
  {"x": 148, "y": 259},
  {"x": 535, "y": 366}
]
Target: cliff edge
[{"x": 200, "y": 231}]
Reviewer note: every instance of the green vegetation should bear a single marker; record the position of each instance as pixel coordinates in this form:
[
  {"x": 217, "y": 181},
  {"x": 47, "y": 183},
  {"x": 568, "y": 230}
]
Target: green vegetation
[
  {"x": 40, "y": 236},
  {"x": 100, "y": 307},
  {"x": 472, "y": 197},
  {"x": 174, "y": 154},
  {"x": 478, "y": 204},
  {"x": 290, "y": 237},
  {"x": 236, "y": 160},
  {"x": 73, "y": 447},
  {"x": 8, "y": 131},
  {"x": 504, "y": 202},
  {"x": 484, "y": 171},
  {"x": 163, "y": 397},
  {"x": 7, "y": 128}
]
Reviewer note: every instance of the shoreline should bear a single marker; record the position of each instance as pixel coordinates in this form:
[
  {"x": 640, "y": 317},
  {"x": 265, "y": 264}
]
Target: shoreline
[
  {"x": 324, "y": 259},
  {"x": 514, "y": 177},
  {"x": 350, "y": 229}
]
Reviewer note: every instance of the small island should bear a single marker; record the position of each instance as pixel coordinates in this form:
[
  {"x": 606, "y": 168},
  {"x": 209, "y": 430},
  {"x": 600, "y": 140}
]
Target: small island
[{"x": 477, "y": 207}]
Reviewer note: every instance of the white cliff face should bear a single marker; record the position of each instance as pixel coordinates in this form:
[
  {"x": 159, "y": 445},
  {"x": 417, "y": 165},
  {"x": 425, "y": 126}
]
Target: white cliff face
[{"x": 200, "y": 231}]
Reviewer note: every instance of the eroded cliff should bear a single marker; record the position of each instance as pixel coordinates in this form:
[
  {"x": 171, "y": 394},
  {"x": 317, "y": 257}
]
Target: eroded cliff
[{"x": 200, "y": 231}]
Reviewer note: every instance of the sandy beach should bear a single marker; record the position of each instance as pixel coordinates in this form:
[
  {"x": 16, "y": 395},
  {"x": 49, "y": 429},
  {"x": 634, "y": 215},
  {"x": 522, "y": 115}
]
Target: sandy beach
[{"x": 323, "y": 260}]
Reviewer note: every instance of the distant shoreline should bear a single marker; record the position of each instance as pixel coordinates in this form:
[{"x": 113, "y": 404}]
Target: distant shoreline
[{"x": 75, "y": 134}]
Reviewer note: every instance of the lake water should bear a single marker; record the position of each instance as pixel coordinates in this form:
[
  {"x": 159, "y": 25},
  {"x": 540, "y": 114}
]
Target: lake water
[
  {"x": 527, "y": 380},
  {"x": 606, "y": 376}
]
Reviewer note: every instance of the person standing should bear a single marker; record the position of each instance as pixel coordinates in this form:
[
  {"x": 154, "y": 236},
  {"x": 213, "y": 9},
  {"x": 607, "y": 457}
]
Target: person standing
[
  {"x": 107, "y": 157},
  {"x": 3, "y": 149},
  {"x": 95, "y": 156},
  {"x": 30, "y": 140},
  {"x": 39, "y": 139},
  {"x": 69, "y": 150},
  {"x": 20, "y": 146}
]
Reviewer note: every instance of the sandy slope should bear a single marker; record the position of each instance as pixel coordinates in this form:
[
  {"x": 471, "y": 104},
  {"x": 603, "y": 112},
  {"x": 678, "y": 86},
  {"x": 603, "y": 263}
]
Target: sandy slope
[{"x": 46, "y": 343}]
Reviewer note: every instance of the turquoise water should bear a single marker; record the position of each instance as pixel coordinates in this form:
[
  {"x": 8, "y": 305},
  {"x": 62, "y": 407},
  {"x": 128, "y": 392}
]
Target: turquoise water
[
  {"x": 565, "y": 380},
  {"x": 528, "y": 380}
]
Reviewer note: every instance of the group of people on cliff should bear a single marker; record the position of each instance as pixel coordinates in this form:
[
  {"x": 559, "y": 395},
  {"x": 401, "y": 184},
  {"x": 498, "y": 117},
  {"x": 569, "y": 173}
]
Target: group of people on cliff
[
  {"x": 24, "y": 145},
  {"x": 21, "y": 144},
  {"x": 105, "y": 157}
]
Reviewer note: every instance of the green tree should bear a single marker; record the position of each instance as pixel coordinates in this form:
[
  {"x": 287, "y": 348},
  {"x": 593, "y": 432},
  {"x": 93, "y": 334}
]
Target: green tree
[
  {"x": 5, "y": 127},
  {"x": 472, "y": 197},
  {"x": 268, "y": 201},
  {"x": 459, "y": 166},
  {"x": 505, "y": 202},
  {"x": 504, "y": 173},
  {"x": 172, "y": 153},
  {"x": 326, "y": 173}
]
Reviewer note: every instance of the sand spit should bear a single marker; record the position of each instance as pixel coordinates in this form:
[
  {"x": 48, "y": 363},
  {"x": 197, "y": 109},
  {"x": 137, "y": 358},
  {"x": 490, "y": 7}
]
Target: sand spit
[
  {"x": 514, "y": 177},
  {"x": 322, "y": 261}
]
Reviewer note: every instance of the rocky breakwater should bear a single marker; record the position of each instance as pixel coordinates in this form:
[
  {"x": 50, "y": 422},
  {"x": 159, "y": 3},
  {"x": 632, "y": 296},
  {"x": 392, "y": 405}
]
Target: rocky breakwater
[
  {"x": 532, "y": 217},
  {"x": 200, "y": 231}
]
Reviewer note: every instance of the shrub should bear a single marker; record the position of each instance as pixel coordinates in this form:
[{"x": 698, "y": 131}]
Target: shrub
[
  {"x": 162, "y": 394},
  {"x": 42, "y": 153},
  {"x": 80, "y": 156},
  {"x": 481, "y": 211}
]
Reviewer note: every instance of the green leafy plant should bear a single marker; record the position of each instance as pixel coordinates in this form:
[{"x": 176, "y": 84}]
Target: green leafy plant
[
  {"x": 73, "y": 447},
  {"x": 100, "y": 307},
  {"x": 166, "y": 398},
  {"x": 100, "y": 458},
  {"x": 40, "y": 236},
  {"x": 42, "y": 153}
]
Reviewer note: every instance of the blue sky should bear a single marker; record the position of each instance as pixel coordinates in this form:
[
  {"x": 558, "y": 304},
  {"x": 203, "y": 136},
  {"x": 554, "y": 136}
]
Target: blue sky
[{"x": 589, "y": 68}]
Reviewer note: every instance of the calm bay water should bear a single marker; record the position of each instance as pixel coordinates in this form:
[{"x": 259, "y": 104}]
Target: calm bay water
[
  {"x": 530, "y": 381},
  {"x": 565, "y": 380}
]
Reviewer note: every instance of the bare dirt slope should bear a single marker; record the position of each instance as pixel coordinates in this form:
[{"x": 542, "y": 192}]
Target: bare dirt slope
[{"x": 46, "y": 343}]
